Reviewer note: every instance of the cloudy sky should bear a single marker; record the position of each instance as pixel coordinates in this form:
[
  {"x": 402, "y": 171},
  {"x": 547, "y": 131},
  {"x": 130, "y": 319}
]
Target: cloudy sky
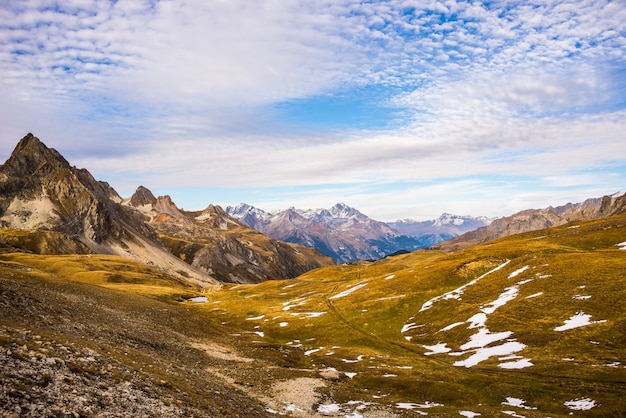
[{"x": 402, "y": 109}]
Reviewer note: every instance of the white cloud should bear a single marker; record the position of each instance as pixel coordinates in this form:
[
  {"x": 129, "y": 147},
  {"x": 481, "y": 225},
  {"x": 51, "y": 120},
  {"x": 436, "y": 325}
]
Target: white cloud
[{"x": 174, "y": 93}]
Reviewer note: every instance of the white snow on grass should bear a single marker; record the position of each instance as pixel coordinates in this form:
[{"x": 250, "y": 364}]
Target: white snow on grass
[
  {"x": 347, "y": 292},
  {"x": 283, "y": 324},
  {"x": 516, "y": 402},
  {"x": 469, "y": 414},
  {"x": 449, "y": 327},
  {"x": 477, "y": 321},
  {"x": 583, "y": 404},
  {"x": 518, "y": 364},
  {"x": 485, "y": 337},
  {"x": 518, "y": 271},
  {"x": 199, "y": 299},
  {"x": 483, "y": 354},
  {"x": 622, "y": 245},
  {"x": 580, "y": 319},
  {"x": 456, "y": 293},
  {"x": 534, "y": 295},
  {"x": 411, "y": 405},
  {"x": 581, "y": 297},
  {"x": 391, "y": 276},
  {"x": 408, "y": 327},
  {"x": 437, "y": 349},
  {"x": 256, "y": 318},
  {"x": 508, "y": 295},
  {"x": 314, "y": 350}
]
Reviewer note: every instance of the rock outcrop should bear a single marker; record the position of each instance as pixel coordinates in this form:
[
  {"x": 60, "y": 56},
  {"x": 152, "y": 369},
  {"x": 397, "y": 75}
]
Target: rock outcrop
[{"x": 214, "y": 242}]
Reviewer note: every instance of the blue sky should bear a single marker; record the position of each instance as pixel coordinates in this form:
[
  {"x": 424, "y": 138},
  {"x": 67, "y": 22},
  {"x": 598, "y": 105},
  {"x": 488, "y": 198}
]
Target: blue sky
[{"x": 402, "y": 109}]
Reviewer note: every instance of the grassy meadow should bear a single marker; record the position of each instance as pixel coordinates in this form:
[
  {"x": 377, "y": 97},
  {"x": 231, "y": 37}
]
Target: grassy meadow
[{"x": 531, "y": 325}]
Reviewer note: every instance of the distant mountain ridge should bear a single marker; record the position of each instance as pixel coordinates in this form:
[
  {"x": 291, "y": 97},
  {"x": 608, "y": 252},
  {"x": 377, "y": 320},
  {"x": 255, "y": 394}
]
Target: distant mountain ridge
[
  {"x": 347, "y": 235},
  {"x": 444, "y": 228},
  {"x": 535, "y": 219}
]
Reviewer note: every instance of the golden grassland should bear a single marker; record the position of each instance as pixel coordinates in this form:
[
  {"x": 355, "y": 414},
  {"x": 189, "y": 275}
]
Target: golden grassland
[{"x": 351, "y": 317}]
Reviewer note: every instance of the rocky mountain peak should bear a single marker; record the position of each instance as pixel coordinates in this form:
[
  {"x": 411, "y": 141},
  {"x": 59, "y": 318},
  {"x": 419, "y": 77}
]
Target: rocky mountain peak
[
  {"x": 448, "y": 218},
  {"x": 165, "y": 205},
  {"x": 142, "y": 197},
  {"x": 30, "y": 156}
]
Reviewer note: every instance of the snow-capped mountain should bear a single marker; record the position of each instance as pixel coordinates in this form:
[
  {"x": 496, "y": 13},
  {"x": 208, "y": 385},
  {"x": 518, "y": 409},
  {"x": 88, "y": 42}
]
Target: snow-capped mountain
[
  {"x": 347, "y": 235},
  {"x": 446, "y": 227}
]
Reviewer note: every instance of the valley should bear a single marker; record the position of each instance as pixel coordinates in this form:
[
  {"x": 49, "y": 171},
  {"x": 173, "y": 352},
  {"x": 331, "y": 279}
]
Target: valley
[{"x": 519, "y": 326}]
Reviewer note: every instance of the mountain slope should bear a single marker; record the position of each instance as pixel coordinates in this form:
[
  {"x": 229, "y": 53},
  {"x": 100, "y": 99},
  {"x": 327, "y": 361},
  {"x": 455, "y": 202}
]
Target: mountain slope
[
  {"x": 518, "y": 325},
  {"x": 46, "y": 205},
  {"x": 535, "y": 219},
  {"x": 212, "y": 241},
  {"x": 341, "y": 232}
]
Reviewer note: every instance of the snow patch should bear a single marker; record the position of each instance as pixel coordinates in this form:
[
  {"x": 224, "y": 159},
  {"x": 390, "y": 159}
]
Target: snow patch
[
  {"x": 437, "y": 349},
  {"x": 516, "y": 402},
  {"x": 580, "y": 319},
  {"x": 534, "y": 295},
  {"x": 518, "y": 364},
  {"x": 477, "y": 321},
  {"x": 347, "y": 292},
  {"x": 483, "y": 354},
  {"x": 583, "y": 404},
  {"x": 408, "y": 327},
  {"x": 314, "y": 350},
  {"x": 391, "y": 276},
  {"x": 199, "y": 299},
  {"x": 469, "y": 414},
  {"x": 485, "y": 337},
  {"x": 449, "y": 327},
  {"x": 518, "y": 271},
  {"x": 508, "y": 295},
  {"x": 622, "y": 245}
]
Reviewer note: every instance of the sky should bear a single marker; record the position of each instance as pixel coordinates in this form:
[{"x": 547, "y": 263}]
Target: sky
[{"x": 401, "y": 109}]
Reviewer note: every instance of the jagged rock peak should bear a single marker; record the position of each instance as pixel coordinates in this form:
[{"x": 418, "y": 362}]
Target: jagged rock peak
[
  {"x": 165, "y": 205},
  {"x": 142, "y": 197},
  {"x": 30, "y": 154}
]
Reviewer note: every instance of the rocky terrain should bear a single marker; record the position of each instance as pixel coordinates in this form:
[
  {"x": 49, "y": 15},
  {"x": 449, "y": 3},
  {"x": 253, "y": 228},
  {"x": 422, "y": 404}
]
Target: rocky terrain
[{"x": 214, "y": 242}]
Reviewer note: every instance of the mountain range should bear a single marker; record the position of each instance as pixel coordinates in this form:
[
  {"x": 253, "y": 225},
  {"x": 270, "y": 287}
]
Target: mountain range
[
  {"x": 347, "y": 235},
  {"x": 48, "y": 206}
]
